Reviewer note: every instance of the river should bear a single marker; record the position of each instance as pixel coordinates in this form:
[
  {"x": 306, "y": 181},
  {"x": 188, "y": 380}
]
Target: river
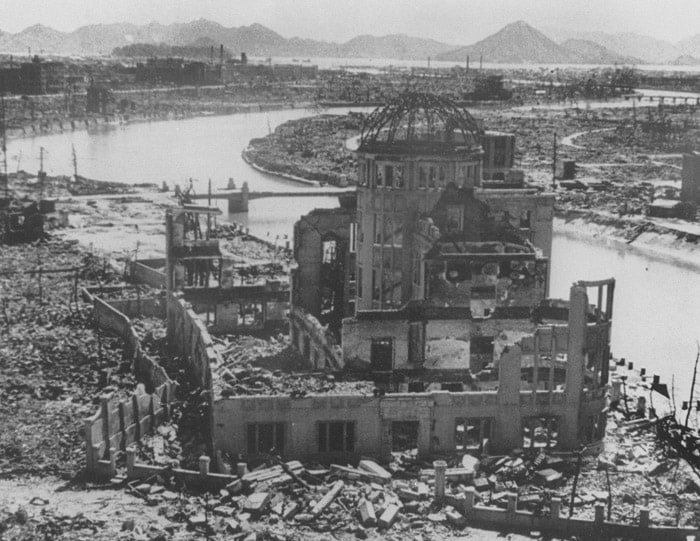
[{"x": 657, "y": 316}]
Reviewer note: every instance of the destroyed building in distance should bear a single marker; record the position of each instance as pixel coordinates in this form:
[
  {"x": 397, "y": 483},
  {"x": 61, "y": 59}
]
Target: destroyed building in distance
[{"x": 431, "y": 284}]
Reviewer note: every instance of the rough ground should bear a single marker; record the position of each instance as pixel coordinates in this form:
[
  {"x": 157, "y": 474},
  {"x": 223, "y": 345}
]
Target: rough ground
[{"x": 52, "y": 362}]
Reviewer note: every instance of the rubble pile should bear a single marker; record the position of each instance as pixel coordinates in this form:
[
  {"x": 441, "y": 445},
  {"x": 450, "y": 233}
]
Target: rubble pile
[
  {"x": 269, "y": 258},
  {"x": 284, "y": 500},
  {"x": 620, "y": 199},
  {"x": 53, "y": 525},
  {"x": 254, "y": 366},
  {"x": 53, "y": 363},
  {"x": 126, "y": 292}
]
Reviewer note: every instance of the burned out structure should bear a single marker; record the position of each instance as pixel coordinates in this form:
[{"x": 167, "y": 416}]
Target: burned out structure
[
  {"x": 441, "y": 280},
  {"x": 199, "y": 272}
]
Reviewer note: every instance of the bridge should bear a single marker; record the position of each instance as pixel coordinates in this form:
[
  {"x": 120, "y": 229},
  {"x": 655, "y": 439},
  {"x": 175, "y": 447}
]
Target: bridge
[
  {"x": 670, "y": 98},
  {"x": 238, "y": 199}
]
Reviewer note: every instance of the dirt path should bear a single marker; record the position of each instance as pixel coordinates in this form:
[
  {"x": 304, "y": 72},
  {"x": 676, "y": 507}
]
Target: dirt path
[
  {"x": 72, "y": 513},
  {"x": 569, "y": 139}
]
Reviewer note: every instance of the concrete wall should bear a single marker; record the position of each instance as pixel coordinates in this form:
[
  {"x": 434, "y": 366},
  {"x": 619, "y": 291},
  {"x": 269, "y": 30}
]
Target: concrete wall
[
  {"x": 140, "y": 307},
  {"x": 447, "y": 341},
  {"x": 436, "y": 413},
  {"x": 518, "y": 202},
  {"x": 188, "y": 336},
  {"x": 690, "y": 188},
  {"x": 146, "y": 370},
  {"x": 357, "y": 339},
  {"x": 309, "y": 234},
  {"x": 145, "y": 272},
  {"x": 552, "y": 371},
  {"x": 313, "y": 341}
]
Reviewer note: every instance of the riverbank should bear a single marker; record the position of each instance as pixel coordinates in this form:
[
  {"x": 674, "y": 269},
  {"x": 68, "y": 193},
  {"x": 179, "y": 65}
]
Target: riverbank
[
  {"x": 310, "y": 148},
  {"x": 287, "y": 175},
  {"x": 656, "y": 239},
  {"x": 53, "y": 125}
]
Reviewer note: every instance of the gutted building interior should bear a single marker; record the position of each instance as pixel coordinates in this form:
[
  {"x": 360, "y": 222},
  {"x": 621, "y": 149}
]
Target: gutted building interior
[{"x": 432, "y": 285}]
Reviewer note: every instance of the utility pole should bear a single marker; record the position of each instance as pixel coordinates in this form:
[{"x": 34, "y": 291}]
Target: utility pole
[
  {"x": 692, "y": 387},
  {"x": 42, "y": 175},
  {"x": 4, "y": 148},
  {"x": 209, "y": 214},
  {"x": 75, "y": 165},
  {"x": 554, "y": 162}
]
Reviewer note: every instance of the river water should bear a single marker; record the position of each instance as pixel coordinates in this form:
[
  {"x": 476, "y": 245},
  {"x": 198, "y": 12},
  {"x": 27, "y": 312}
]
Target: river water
[{"x": 657, "y": 313}]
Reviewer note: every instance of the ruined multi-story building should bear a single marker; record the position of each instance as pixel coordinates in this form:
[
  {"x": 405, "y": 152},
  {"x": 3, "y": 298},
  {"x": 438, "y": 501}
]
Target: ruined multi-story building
[{"x": 445, "y": 309}]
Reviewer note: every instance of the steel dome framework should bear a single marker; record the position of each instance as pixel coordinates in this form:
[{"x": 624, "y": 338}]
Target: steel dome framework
[{"x": 423, "y": 120}]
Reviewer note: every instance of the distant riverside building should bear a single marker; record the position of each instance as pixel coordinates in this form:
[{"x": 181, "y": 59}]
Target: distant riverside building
[
  {"x": 33, "y": 78},
  {"x": 178, "y": 71},
  {"x": 690, "y": 189}
]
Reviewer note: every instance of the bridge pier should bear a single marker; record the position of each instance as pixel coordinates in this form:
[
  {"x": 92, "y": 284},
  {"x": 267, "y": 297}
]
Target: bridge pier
[{"x": 238, "y": 202}]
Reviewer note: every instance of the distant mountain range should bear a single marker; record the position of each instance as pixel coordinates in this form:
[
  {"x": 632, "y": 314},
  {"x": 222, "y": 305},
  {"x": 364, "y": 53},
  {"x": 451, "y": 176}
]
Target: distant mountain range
[
  {"x": 519, "y": 43},
  {"x": 515, "y": 43}
]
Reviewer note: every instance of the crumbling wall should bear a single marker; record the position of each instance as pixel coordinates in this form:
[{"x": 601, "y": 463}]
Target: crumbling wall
[
  {"x": 119, "y": 423},
  {"x": 514, "y": 205},
  {"x": 108, "y": 318},
  {"x": 437, "y": 414},
  {"x": 140, "y": 307},
  {"x": 357, "y": 340},
  {"x": 145, "y": 272},
  {"x": 189, "y": 338},
  {"x": 314, "y": 342},
  {"x": 447, "y": 344}
]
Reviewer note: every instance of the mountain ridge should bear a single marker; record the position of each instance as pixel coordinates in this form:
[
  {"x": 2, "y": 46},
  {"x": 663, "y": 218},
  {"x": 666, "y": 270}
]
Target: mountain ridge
[{"x": 517, "y": 42}]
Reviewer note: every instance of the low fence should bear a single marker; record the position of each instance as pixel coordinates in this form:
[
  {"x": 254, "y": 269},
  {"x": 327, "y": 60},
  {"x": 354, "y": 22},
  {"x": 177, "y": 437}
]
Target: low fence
[
  {"x": 119, "y": 423},
  {"x": 512, "y": 519},
  {"x": 202, "y": 478}
]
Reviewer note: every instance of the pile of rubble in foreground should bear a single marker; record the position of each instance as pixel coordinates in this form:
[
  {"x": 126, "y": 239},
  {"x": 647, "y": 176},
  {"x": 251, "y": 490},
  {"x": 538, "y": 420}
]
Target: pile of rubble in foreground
[{"x": 291, "y": 500}]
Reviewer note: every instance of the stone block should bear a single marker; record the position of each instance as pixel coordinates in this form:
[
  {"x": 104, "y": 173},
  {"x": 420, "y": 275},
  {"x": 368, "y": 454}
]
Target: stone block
[{"x": 388, "y": 516}]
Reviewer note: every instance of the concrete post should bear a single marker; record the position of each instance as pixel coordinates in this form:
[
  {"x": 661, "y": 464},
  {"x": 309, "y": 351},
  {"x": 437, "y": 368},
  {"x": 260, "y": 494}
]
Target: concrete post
[
  {"x": 241, "y": 469},
  {"x": 440, "y": 467},
  {"x": 599, "y": 512},
  {"x": 569, "y": 421},
  {"x": 512, "y": 502},
  {"x": 112, "y": 461},
  {"x": 644, "y": 517},
  {"x": 130, "y": 461},
  {"x": 470, "y": 496},
  {"x": 555, "y": 508},
  {"x": 204, "y": 465},
  {"x": 89, "y": 447}
]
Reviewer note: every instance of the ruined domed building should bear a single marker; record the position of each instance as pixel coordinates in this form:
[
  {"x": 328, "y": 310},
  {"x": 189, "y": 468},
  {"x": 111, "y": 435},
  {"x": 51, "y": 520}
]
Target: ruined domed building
[{"x": 433, "y": 284}]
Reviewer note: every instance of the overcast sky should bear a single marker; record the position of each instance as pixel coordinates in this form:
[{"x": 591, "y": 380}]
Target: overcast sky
[{"x": 451, "y": 21}]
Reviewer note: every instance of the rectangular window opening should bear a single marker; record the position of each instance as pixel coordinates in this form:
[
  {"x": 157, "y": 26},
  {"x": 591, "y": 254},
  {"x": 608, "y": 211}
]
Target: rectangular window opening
[
  {"x": 470, "y": 433},
  {"x": 265, "y": 437},
  {"x": 336, "y": 437}
]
